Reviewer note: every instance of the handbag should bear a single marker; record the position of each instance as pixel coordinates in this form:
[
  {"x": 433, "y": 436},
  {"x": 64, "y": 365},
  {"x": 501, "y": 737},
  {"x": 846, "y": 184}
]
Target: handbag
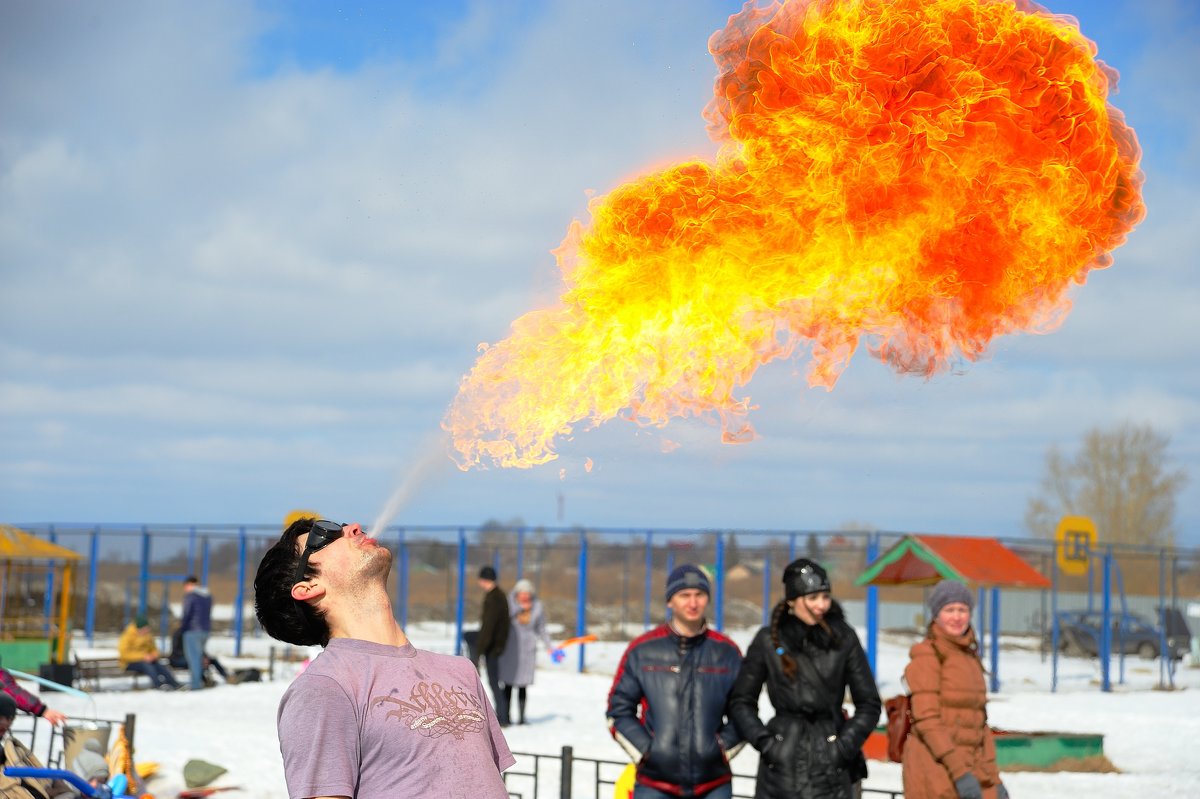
[{"x": 899, "y": 723}]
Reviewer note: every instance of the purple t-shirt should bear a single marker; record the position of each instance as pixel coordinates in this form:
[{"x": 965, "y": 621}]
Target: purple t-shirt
[{"x": 370, "y": 720}]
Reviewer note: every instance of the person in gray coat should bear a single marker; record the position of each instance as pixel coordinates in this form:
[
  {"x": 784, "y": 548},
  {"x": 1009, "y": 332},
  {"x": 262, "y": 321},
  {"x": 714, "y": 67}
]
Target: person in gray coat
[{"x": 528, "y": 620}]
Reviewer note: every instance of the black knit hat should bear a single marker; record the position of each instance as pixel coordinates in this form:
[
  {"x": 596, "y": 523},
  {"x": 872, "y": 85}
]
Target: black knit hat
[
  {"x": 487, "y": 573},
  {"x": 802, "y": 577}
]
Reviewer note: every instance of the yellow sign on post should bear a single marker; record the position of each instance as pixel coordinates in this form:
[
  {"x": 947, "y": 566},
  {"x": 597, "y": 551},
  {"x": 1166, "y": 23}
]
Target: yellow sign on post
[{"x": 1076, "y": 538}]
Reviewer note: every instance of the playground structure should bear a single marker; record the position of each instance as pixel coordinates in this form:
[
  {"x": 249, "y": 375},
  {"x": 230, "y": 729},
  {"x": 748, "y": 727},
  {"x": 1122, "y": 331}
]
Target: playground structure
[
  {"x": 925, "y": 560},
  {"x": 36, "y": 580}
]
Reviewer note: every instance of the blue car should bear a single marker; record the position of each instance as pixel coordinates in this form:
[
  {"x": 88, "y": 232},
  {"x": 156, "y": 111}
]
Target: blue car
[{"x": 1079, "y": 634}]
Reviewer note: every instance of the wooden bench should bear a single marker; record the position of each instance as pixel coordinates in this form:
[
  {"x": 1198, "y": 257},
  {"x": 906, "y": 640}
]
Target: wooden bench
[{"x": 90, "y": 669}]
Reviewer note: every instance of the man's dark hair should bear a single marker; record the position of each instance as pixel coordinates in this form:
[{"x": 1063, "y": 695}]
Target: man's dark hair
[
  {"x": 283, "y": 617},
  {"x": 192, "y": 580}
]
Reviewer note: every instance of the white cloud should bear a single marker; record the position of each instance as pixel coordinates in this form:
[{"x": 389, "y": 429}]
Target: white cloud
[{"x": 208, "y": 277}]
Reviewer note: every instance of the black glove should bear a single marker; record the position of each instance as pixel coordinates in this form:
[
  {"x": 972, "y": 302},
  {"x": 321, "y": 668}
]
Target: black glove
[
  {"x": 968, "y": 787},
  {"x": 1001, "y": 791},
  {"x": 768, "y": 744}
]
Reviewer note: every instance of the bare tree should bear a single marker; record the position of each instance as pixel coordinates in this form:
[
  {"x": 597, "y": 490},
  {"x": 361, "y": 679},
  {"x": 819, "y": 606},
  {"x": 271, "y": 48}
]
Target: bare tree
[{"x": 1120, "y": 479}]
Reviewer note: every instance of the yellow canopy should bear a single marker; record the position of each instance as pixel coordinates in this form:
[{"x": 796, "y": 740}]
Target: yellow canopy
[
  {"x": 19, "y": 545},
  {"x": 19, "y": 548}
]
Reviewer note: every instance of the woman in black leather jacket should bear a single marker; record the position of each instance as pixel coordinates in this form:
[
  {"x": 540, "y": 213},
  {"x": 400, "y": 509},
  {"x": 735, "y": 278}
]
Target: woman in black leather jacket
[{"x": 808, "y": 657}]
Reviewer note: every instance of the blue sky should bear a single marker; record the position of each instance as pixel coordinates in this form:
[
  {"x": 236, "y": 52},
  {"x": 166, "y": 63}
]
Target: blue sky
[{"x": 247, "y": 252}]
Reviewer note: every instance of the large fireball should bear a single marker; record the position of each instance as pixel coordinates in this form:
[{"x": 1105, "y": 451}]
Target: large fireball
[{"x": 919, "y": 176}]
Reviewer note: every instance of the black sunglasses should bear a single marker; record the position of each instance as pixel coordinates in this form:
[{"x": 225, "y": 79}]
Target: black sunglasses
[{"x": 323, "y": 532}]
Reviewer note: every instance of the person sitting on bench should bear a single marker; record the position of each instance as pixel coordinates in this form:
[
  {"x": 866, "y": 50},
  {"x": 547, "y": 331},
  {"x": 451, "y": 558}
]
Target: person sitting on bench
[{"x": 138, "y": 653}]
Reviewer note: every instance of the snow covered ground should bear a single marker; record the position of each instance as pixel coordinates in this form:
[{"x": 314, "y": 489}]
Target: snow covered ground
[{"x": 1150, "y": 735}]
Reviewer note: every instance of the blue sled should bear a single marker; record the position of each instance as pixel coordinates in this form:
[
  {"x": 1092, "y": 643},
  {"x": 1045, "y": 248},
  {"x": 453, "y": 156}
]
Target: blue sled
[{"x": 115, "y": 789}]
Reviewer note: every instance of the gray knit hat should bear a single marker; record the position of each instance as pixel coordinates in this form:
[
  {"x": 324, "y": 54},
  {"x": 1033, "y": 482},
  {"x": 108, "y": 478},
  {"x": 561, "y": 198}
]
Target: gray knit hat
[{"x": 947, "y": 592}]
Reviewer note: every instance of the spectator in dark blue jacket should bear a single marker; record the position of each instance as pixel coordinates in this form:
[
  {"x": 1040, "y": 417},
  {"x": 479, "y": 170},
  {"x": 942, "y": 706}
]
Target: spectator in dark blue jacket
[
  {"x": 667, "y": 703},
  {"x": 196, "y": 625}
]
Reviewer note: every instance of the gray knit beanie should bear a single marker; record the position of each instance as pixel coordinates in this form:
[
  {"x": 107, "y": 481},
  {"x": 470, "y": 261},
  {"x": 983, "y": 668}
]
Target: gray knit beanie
[{"x": 947, "y": 592}]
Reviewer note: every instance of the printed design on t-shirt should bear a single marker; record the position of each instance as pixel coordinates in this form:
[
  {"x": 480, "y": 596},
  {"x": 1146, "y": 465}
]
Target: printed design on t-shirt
[{"x": 433, "y": 710}]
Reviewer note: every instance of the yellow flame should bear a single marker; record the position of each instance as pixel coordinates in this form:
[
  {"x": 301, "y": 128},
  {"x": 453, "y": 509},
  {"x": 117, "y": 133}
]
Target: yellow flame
[{"x": 924, "y": 174}]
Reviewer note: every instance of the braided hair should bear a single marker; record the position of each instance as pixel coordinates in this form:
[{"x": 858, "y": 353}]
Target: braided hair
[{"x": 789, "y": 665}]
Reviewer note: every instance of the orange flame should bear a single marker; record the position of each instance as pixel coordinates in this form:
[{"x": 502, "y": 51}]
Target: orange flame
[{"x": 924, "y": 174}]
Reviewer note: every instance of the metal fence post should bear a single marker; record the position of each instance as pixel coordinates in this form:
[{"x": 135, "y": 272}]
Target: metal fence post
[
  {"x": 624, "y": 589},
  {"x": 995, "y": 639},
  {"x": 1174, "y": 604},
  {"x": 720, "y": 588},
  {"x": 568, "y": 768},
  {"x": 873, "y": 606},
  {"x": 48, "y": 597},
  {"x": 241, "y": 591},
  {"x": 191, "y": 556},
  {"x": 766, "y": 610},
  {"x": 581, "y": 601},
  {"x": 164, "y": 618},
  {"x": 1163, "y": 656},
  {"x": 93, "y": 580},
  {"x": 402, "y": 579},
  {"x": 144, "y": 572},
  {"x": 520, "y": 553},
  {"x": 204, "y": 559},
  {"x": 1054, "y": 619},
  {"x": 462, "y": 584},
  {"x": 649, "y": 586},
  {"x": 1106, "y": 625}
]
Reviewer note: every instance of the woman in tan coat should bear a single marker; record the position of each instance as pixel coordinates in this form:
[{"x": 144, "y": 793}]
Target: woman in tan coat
[{"x": 949, "y": 753}]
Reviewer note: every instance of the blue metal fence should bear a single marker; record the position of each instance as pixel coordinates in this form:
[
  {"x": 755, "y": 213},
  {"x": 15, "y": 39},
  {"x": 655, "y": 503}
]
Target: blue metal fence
[{"x": 434, "y": 567}]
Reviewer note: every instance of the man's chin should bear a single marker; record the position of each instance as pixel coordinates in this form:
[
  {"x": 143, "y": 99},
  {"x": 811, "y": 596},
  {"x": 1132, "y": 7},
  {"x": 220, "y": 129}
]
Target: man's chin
[{"x": 379, "y": 562}]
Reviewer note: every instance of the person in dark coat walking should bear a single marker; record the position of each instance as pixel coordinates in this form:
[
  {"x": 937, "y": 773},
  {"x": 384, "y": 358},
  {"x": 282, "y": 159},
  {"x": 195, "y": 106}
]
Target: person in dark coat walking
[
  {"x": 807, "y": 657},
  {"x": 667, "y": 705},
  {"x": 493, "y": 637}
]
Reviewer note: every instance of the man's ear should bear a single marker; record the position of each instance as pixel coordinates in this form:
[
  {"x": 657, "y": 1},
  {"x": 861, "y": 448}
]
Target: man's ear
[{"x": 304, "y": 591}]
